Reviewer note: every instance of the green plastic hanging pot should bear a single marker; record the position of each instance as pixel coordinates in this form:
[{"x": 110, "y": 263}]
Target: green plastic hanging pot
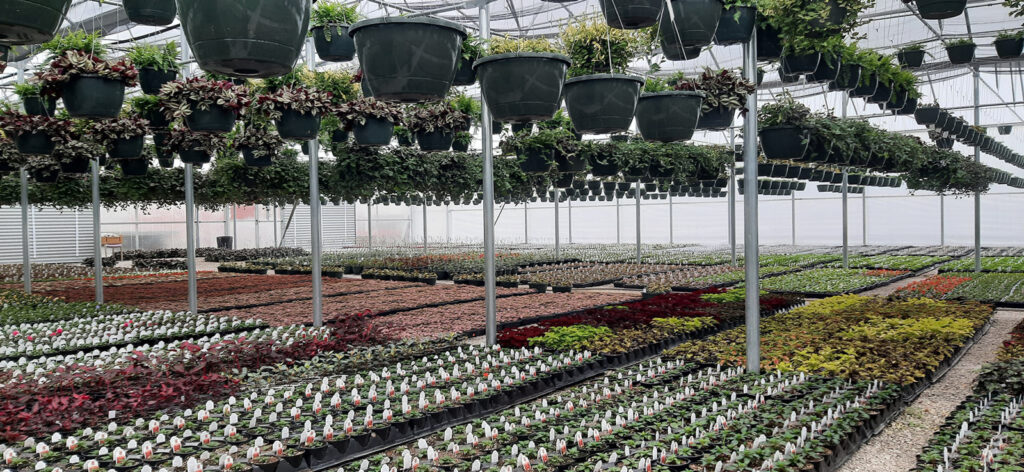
[
  {"x": 150, "y": 12},
  {"x": 910, "y": 58},
  {"x": 245, "y": 38},
  {"x": 769, "y": 44},
  {"x": 460, "y": 146},
  {"x": 564, "y": 180},
  {"x": 134, "y": 167},
  {"x": 602, "y": 103},
  {"x": 126, "y": 148},
  {"x": 570, "y": 163},
  {"x": 798, "y": 64},
  {"x": 251, "y": 160},
  {"x": 35, "y": 143},
  {"x": 897, "y": 100},
  {"x": 1009, "y": 48},
  {"x": 92, "y": 96},
  {"x": 408, "y": 59},
  {"x": 5, "y": 54},
  {"x": 602, "y": 168},
  {"x": 783, "y": 142},
  {"x": 339, "y": 47},
  {"x": 31, "y": 21},
  {"x": 339, "y": 136},
  {"x": 297, "y": 126},
  {"x": 464, "y": 73},
  {"x": 150, "y": 79},
  {"x": 437, "y": 140},
  {"x": 908, "y": 108},
  {"x": 668, "y": 116},
  {"x": 718, "y": 118},
  {"x": 631, "y": 14},
  {"x": 374, "y": 132},
  {"x": 689, "y": 23},
  {"x": 194, "y": 156},
  {"x": 522, "y": 86},
  {"x": 940, "y": 9},
  {"x": 215, "y": 119},
  {"x": 927, "y": 115},
  {"x": 736, "y": 25},
  {"x": 961, "y": 54},
  {"x": 36, "y": 105}
]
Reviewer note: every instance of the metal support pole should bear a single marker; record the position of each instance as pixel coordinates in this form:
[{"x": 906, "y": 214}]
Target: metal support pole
[
  {"x": 846, "y": 222},
  {"x": 97, "y": 248},
  {"x": 558, "y": 249},
  {"x": 568, "y": 203},
  {"x": 314, "y": 210},
  {"x": 137, "y": 229},
  {"x": 256, "y": 224},
  {"x": 234, "y": 226},
  {"x": 424, "y": 227},
  {"x": 526, "y": 223},
  {"x": 750, "y": 239},
  {"x": 190, "y": 243},
  {"x": 618, "y": 222},
  {"x": 977, "y": 195},
  {"x": 490, "y": 294},
  {"x": 864, "y": 217},
  {"x": 275, "y": 222},
  {"x": 792, "y": 218},
  {"x": 732, "y": 197},
  {"x": 636, "y": 194},
  {"x": 942, "y": 220},
  {"x": 26, "y": 260},
  {"x": 671, "y": 222},
  {"x": 369, "y": 225}
]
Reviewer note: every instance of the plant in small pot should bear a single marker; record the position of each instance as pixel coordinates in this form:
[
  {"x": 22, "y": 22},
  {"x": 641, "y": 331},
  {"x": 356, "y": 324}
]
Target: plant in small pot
[
  {"x": 736, "y": 25},
  {"x": 691, "y": 24},
  {"x": 31, "y": 21},
  {"x": 74, "y": 155},
  {"x": 296, "y": 110},
  {"x": 960, "y": 51},
  {"x": 157, "y": 65},
  {"x": 258, "y": 144},
  {"x": 472, "y": 49},
  {"x": 467, "y": 105},
  {"x": 831, "y": 61},
  {"x": 851, "y": 69},
  {"x": 904, "y": 92},
  {"x": 782, "y": 128},
  {"x": 91, "y": 86},
  {"x": 1009, "y": 44},
  {"x": 372, "y": 121},
  {"x": 123, "y": 137},
  {"x": 204, "y": 104},
  {"x": 885, "y": 72},
  {"x": 195, "y": 147},
  {"x": 462, "y": 141},
  {"x": 799, "y": 56},
  {"x": 600, "y": 98},
  {"x": 33, "y": 101},
  {"x": 521, "y": 80},
  {"x": 667, "y": 115},
  {"x": 725, "y": 91},
  {"x": 35, "y": 134},
  {"x": 139, "y": 166},
  {"x": 149, "y": 108},
  {"x": 330, "y": 22},
  {"x": 911, "y": 56},
  {"x": 404, "y": 136},
  {"x": 42, "y": 169},
  {"x": 435, "y": 125},
  {"x": 538, "y": 151}
]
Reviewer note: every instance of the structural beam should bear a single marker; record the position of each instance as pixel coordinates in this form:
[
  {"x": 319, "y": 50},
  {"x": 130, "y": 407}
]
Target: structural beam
[
  {"x": 750, "y": 238},
  {"x": 636, "y": 194},
  {"x": 977, "y": 195},
  {"x": 490, "y": 294},
  {"x": 190, "y": 243}
]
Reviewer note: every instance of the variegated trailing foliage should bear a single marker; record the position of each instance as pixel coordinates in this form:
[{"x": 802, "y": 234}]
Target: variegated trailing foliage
[
  {"x": 724, "y": 88},
  {"x": 295, "y": 98},
  {"x": 73, "y": 63},
  {"x": 181, "y": 97},
  {"x": 261, "y": 140},
  {"x": 126, "y": 126},
  {"x": 356, "y": 111},
  {"x": 434, "y": 117},
  {"x": 186, "y": 140},
  {"x": 13, "y": 124}
]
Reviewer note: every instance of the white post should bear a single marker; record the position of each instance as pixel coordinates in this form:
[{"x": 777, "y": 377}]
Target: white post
[
  {"x": 558, "y": 196},
  {"x": 424, "y": 225},
  {"x": 846, "y": 223},
  {"x": 618, "y": 222},
  {"x": 526, "y": 223},
  {"x": 568, "y": 202},
  {"x": 369, "y": 224},
  {"x": 732, "y": 197},
  {"x": 636, "y": 194},
  {"x": 671, "y": 223},
  {"x": 977, "y": 195}
]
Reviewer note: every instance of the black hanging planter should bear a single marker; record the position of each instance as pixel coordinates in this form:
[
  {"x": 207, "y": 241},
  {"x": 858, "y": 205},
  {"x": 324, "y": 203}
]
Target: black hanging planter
[
  {"x": 47, "y": 173},
  {"x": 910, "y": 58},
  {"x": 150, "y": 79},
  {"x": 1005, "y": 129},
  {"x": 736, "y": 25},
  {"x": 251, "y": 160},
  {"x": 406, "y": 140},
  {"x": 339, "y": 48},
  {"x": 866, "y": 86},
  {"x": 92, "y": 96},
  {"x": 215, "y": 119},
  {"x": 668, "y": 116},
  {"x": 460, "y": 146},
  {"x": 769, "y": 44},
  {"x": 75, "y": 165},
  {"x": 897, "y": 100},
  {"x": 1009, "y": 48},
  {"x": 339, "y": 136},
  {"x": 631, "y": 14},
  {"x": 882, "y": 93},
  {"x": 464, "y": 73},
  {"x": 693, "y": 25},
  {"x": 961, "y": 54},
  {"x": 784, "y": 142},
  {"x": 150, "y": 12},
  {"x": 940, "y": 9},
  {"x": 5, "y": 53},
  {"x": 602, "y": 103},
  {"x": 798, "y": 64},
  {"x": 564, "y": 180},
  {"x": 35, "y": 143},
  {"x": 437, "y": 140},
  {"x": 134, "y": 167},
  {"x": 788, "y": 78},
  {"x": 927, "y": 115},
  {"x": 523, "y": 86},
  {"x": 194, "y": 156},
  {"x": 847, "y": 78},
  {"x": 245, "y": 38},
  {"x": 160, "y": 143},
  {"x": 574, "y": 163},
  {"x": 909, "y": 107},
  {"x": 408, "y": 59},
  {"x": 716, "y": 119},
  {"x": 827, "y": 70},
  {"x": 43, "y": 106},
  {"x": 602, "y": 168},
  {"x": 374, "y": 132},
  {"x": 298, "y": 126},
  {"x": 31, "y": 21},
  {"x": 165, "y": 163},
  {"x": 130, "y": 148}
]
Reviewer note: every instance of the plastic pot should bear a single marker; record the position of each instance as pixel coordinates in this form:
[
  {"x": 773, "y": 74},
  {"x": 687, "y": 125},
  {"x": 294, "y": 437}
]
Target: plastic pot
[
  {"x": 339, "y": 136},
  {"x": 5, "y": 53},
  {"x": 298, "y": 126},
  {"x": 92, "y": 96},
  {"x": 783, "y": 142},
  {"x": 631, "y": 14},
  {"x": 339, "y": 48},
  {"x": 570, "y": 164},
  {"x": 437, "y": 140},
  {"x": 833, "y": 18},
  {"x": 769, "y": 45},
  {"x": 522, "y": 87},
  {"x": 245, "y": 38},
  {"x": 564, "y": 180},
  {"x": 927, "y": 115},
  {"x": 866, "y": 87},
  {"x": 130, "y": 148},
  {"x": 1009, "y": 48},
  {"x": 36, "y": 105},
  {"x": 76, "y": 165},
  {"x": 464, "y": 73},
  {"x": 911, "y": 59},
  {"x": 908, "y": 108},
  {"x": 150, "y": 12},
  {"x": 668, "y": 116},
  {"x": 692, "y": 23},
  {"x": 165, "y": 163},
  {"x": 462, "y": 146},
  {"x": 602, "y": 103},
  {"x": 827, "y": 70},
  {"x": 847, "y": 78},
  {"x": 788, "y": 78},
  {"x": 252, "y": 160},
  {"x": 150, "y": 79},
  {"x": 602, "y": 169},
  {"x": 215, "y": 119},
  {"x": 157, "y": 120},
  {"x": 736, "y": 25},
  {"x": 194, "y": 156},
  {"x": 31, "y": 21},
  {"x": 134, "y": 167},
  {"x": 35, "y": 143},
  {"x": 717, "y": 119},
  {"x": 374, "y": 132},
  {"x": 940, "y": 9},
  {"x": 962, "y": 54},
  {"x": 798, "y": 64},
  {"x": 46, "y": 174},
  {"x": 406, "y": 140},
  {"x": 408, "y": 59},
  {"x": 882, "y": 93},
  {"x": 897, "y": 100}
]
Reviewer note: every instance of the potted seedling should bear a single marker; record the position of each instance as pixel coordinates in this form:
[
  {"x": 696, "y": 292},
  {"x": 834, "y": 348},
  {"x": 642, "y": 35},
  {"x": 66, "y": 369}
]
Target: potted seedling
[
  {"x": 960, "y": 51},
  {"x": 736, "y": 25},
  {"x": 725, "y": 91},
  {"x": 31, "y": 21},
  {"x": 90, "y": 85},
  {"x": 330, "y": 22},
  {"x": 911, "y": 56},
  {"x": 404, "y": 136},
  {"x": 462, "y": 141},
  {"x": 1009, "y": 44},
  {"x": 148, "y": 107},
  {"x": 472, "y": 49},
  {"x": 521, "y": 80},
  {"x": 157, "y": 65},
  {"x": 150, "y": 12},
  {"x": 372, "y": 121},
  {"x": 33, "y": 101},
  {"x": 204, "y": 104}
]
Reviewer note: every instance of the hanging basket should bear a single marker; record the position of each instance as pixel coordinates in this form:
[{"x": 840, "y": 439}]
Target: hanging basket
[
  {"x": 75, "y": 165},
  {"x": 783, "y": 142},
  {"x": 847, "y": 77},
  {"x": 831, "y": 22},
  {"x": 866, "y": 87},
  {"x": 736, "y": 25},
  {"x": 437, "y": 140},
  {"x": 165, "y": 163},
  {"x": 602, "y": 103},
  {"x": 908, "y": 108},
  {"x": 799, "y": 64},
  {"x": 827, "y": 70},
  {"x": 564, "y": 180},
  {"x": 911, "y": 59},
  {"x": 245, "y": 38},
  {"x": 882, "y": 93},
  {"x": 668, "y": 116},
  {"x": 769, "y": 44},
  {"x": 940, "y": 9},
  {"x": 522, "y": 86},
  {"x": 35, "y": 143},
  {"x": 464, "y": 73},
  {"x": 602, "y": 169},
  {"x": 1005, "y": 129},
  {"x": 31, "y": 21},
  {"x": 962, "y": 54},
  {"x": 130, "y": 148},
  {"x": 150, "y": 79},
  {"x": 45, "y": 173},
  {"x": 716, "y": 119},
  {"x": 5, "y": 54},
  {"x": 374, "y": 132},
  {"x": 251, "y": 160},
  {"x": 150, "y": 12},
  {"x": 92, "y": 96},
  {"x": 927, "y": 115},
  {"x": 1009, "y": 48},
  {"x": 339, "y": 48},
  {"x": 134, "y": 167},
  {"x": 215, "y": 119},
  {"x": 897, "y": 100},
  {"x": 574, "y": 163},
  {"x": 631, "y": 14},
  {"x": 690, "y": 23},
  {"x": 460, "y": 146},
  {"x": 194, "y": 156},
  {"x": 43, "y": 106},
  {"x": 297, "y": 126},
  {"x": 408, "y": 59}
]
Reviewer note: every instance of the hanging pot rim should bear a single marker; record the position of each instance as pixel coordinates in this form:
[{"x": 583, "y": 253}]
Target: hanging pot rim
[
  {"x": 387, "y": 20},
  {"x": 584, "y": 78},
  {"x": 522, "y": 55},
  {"x": 669, "y": 93}
]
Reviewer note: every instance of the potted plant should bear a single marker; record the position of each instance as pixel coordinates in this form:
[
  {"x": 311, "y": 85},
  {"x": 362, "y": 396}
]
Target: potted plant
[
  {"x": 33, "y": 101},
  {"x": 435, "y": 44},
  {"x": 521, "y": 80},
  {"x": 148, "y": 107},
  {"x": 911, "y": 56},
  {"x": 599, "y": 97},
  {"x": 35, "y": 134},
  {"x": 331, "y": 20},
  {"x": 631, "y": 14},
  {"x": 736, "y": 24},
  {"x": 150, "y": 12},
  {"x": 666, "y": 115},
  {"x": 42, "y": 169},
  {"x": 831, "y": 61},
  {"x": 205, "y": 105},
  {"x": 296, "y": 110},
  {"x": 404, "y": 136},
  {"x": 903, "y": 89},
  {"x": 372, "y": 121},
  {"x": 435, "y": 125},
  {"x": 960, "y": 51},
  {"x": 850, "y": 71},
  {"x": 691, "y": 24},
  {"x": 136, "y": 167},
  {"x": 799, "y": 56},
  {"x": 245, "y": 38},
  {"x": 73, "y": 156},
  {"x": 940, "y": 9},
  {"x": 123, "y": 137},
  {"x": 1009, "y": 44},
  {"x": 90, "y": 86},
  {"x": 195, "y": 147},
  {"x": 725, "y": 91},
  {"x": 472, "y": 49},
  {"x": 462, "y": 141},
  {"x": 31, "y": 21},
  {"x": 782, "y": 128},
  {"x": 769, "y": 43},
  {"x": 157, "y": 65}
]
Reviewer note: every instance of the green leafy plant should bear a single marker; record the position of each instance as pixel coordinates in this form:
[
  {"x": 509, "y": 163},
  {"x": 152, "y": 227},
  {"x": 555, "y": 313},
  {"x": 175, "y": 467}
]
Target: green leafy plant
[
  {"x": 722, "y": 89},
  {"x": 77, "y": 41},
  {"x": 501, "y": 45},
  {"x": 332, "y": 13},
  {"x": 656, "y": 84},
  {"x": 912, "y": 47},
  {"x": 1019, "y": 34},
  {"x": 336, "y": 82},
  {"x": 359, "y": 109},
  {"x": 126, "y": 126},
  {"x": 958, "y": 42},
  {"x": 25, "y": 90},
  {"x": 439, "y": 116},
  {"x": 785, "y": 111},
  {"x": 596, "y": 48},
  {"x": 163, "y": 58},
  {"x": 180, "y": 97},
  {"x": 463, "y": 138},
  {"x": 473, "y": 47}
]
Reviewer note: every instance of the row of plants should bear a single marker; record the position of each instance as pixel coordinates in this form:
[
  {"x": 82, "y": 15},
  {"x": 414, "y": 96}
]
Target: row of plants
[
  {"x": 988, "y": 264},
  {"x": 998, "y": 288},
  {"x": 564, "y": 280},
  {"x": 21, "y": 308},
  {"x": 115, "y": 281},
  {"x": 946, "y": 128},
  {"x": 831, "y": 281},
  {"x": 685, "y": 280},
  {"x": 14, "y": 273},
  {"x": 891, "y": 262},
  {"x": 210, "y": 254}
]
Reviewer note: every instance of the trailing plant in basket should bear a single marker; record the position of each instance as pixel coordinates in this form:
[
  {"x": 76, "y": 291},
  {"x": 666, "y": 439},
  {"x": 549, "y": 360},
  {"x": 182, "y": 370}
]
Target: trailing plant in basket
[
  {"x": 74, "y": 63},
  {"x": 294, "y": 98},
  {"x": 722, "y": 89},
  {"x": 181, "y": 97},
  {"x": 163, "y": 57},
  {"x": 358, "y": 110},
  {"x": 332, "y": 13},
  {"x": 127, "y": 126},
  {"x": 473, "y": 48},
  {"x": 501, "y": 45},
  {"x": 958, "y": 42},
  {"x": 14, "y": 124},
  {"x": 545, "y": 140},
  {"x": 261, "y": 141},
  {"x": 786, "y": 111},
  {"x": 186, "y": 140},
  {"x": 596, "y": 48},
  {"x": 439, "y": 116},
  {"x": 798, "y": 20}
]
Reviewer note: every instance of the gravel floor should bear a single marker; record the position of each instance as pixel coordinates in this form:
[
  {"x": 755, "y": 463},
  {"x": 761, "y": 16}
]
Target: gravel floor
[{"x": 895, "y": 450}]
